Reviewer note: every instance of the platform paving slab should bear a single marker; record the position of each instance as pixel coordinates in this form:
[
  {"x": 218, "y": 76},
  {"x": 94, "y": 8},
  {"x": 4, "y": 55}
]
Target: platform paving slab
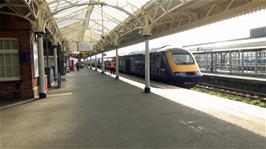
[{"x": 92, "y": 110}]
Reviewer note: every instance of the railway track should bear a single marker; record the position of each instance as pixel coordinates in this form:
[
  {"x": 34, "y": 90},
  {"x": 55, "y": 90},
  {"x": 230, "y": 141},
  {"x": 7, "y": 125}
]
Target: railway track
[{"x": 233, "y": 91}]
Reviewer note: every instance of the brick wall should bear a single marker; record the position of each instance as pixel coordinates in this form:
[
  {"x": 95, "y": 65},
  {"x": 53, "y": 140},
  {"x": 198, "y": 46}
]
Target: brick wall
[{"x": 15, "y": 27}]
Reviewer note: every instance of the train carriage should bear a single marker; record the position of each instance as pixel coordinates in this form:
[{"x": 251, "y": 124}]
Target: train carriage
[{"x": 168, "y": 64}]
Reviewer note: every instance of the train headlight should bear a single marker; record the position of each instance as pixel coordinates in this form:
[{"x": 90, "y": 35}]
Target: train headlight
[
  {"x": 180, "y": 74},
  {"x": 198, "y": 73}
]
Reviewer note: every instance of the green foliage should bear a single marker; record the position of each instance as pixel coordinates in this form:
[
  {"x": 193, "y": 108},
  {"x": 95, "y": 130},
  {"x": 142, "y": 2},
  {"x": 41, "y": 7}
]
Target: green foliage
[{"x": 257, "y": 102}]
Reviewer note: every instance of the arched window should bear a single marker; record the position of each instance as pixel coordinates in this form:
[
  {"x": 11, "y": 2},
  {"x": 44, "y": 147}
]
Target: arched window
[{"x": 9, "y": 59}]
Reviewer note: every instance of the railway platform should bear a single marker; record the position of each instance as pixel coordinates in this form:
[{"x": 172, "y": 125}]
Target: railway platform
[{"x": 92, "y": 110}]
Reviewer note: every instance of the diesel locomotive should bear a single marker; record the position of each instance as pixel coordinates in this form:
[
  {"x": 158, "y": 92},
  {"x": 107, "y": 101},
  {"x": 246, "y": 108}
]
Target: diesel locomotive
[{"x": 167, "y": 64}]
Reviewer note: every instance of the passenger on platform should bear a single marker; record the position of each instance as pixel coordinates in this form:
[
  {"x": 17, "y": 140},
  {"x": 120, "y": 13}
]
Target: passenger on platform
[
  {"x": 77, "y": 66},
  {"x": 112, "y": 67}
]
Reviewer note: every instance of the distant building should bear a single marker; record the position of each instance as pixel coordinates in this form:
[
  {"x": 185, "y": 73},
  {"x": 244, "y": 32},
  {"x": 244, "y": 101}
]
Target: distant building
[
  {"x": 258, "y": 32},
  {"x": 257, "y": 39}
]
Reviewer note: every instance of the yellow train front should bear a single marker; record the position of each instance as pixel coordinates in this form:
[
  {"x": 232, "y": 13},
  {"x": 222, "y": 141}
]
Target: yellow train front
[
  {"x": 168, "y": 64},
  {"x": 183, "y": 68}
]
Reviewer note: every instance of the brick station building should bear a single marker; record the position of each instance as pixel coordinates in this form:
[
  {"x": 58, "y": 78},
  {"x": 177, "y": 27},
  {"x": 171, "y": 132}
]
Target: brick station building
[{"x": 19, "y": 58}]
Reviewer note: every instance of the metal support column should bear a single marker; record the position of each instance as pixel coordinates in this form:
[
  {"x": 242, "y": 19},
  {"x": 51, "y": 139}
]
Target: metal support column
[
  {"x": 55, "y": 59},
  {"x": 238, "y": 60},
  {"x": 42, "y": 92},
  {"x": 230, "y": 61},
  {"x": 147, "y": 65},
  {"x": 95, "y": 62},
  {"x": 102, "y": 63},
  {"x": 47, "y": 53},
  {"x": 242, "y": 62},
  {"x": 211, "y": 61},
  {"x": 116, "y": 64},
  {"x": 256, "y": 62},
  {"x": 221, "y": 61},
  {"x": 206, "y": 62}
]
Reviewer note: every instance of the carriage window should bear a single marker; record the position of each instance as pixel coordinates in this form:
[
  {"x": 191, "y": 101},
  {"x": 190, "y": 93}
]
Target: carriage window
[{"x": 183, "y": 58}]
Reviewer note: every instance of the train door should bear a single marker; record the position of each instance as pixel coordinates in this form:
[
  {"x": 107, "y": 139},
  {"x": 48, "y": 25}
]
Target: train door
[
  {"x": 155, "y": 64},
  {"x": 121, "y": 64},
  {"x": 128, "y": 64},
  {"x": 164, "y": 66},
  {"x": 158, "y": 64}
]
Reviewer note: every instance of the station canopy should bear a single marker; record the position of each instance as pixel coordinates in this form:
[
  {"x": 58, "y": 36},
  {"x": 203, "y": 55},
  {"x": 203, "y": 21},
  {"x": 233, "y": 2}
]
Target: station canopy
[
  {"x": 101, "y": 22},
  {"x": 87, "y": 21}
]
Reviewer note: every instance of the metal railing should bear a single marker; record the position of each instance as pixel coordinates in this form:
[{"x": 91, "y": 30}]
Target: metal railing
[{"x": 246, "y": 62}]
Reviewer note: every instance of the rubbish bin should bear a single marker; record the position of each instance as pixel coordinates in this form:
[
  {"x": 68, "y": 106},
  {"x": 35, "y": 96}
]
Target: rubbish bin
[
  {"x": 46, "y": 83},
  {"x": 48, "y": 73}
]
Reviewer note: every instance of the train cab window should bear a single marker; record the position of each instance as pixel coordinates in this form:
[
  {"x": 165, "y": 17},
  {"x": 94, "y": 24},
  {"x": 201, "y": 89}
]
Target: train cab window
[{"x": 183, "y": 58}]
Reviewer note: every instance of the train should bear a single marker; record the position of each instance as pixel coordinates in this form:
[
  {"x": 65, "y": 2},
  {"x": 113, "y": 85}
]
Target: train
[{"x": 169, "y": 64}]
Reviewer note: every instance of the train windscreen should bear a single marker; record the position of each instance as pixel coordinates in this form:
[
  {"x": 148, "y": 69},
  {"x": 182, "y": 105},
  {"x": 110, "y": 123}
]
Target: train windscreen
[{"x": 183, "y": 58}]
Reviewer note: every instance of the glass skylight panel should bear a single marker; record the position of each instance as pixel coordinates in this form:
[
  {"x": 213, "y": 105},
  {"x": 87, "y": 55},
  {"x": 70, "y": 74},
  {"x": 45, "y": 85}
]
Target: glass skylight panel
[
  {"x": 110, "y": 25},
  {"x": 96, "y": 10},
  {"x": 71, "y": 17},
  {"x": 94, "y": 26},
  {"x": 128, "y": 6},
  {"x": 74, "y": 16},
  {"x": 83, "y": 1},
  {"x": 113, "y": 2},
  {"x": 72, "y": 36},
  {"x": 91, "y": 35},
  {"x": 111, "y": 21},
  {"x": 97, "y": 31},
  {"x": 53, "y": 5},
  {"x": 69, "y": 11},
  {"x": 70, "y": 21},
  {"x": 115, "y": 13},
  {"x": 51, "y": 1},
  {"x": 82, "y": 14},
  {"x": 62, "y": 5},
  {"x": 67, "y": 23},
  {"x": 70, "y": 30},
  {"x": 75, "y": 25},
  {"x": 138, "y": 3}
]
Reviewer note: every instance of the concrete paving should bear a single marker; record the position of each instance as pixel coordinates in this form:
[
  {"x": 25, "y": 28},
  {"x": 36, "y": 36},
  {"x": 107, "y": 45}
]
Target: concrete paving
[
  {"x": 92, "y": 110},
  {"x": 235, "y": 112}
]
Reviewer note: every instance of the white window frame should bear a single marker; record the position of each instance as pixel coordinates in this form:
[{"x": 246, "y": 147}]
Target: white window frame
[{"x": 11, "y": 52}]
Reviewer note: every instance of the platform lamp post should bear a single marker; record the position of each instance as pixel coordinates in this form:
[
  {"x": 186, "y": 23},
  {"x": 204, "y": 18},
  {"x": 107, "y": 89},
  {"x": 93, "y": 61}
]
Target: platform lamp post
[{"x": 42, "y": 92}]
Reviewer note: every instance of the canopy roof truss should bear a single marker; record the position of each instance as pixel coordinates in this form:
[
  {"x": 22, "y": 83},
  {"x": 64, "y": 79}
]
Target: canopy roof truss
[
  {"x": 171, "y": 16},
  {"x": 35, "y": 11},
  {"x": 109, "y": 23},
  {"x": 84, "y": 21}
]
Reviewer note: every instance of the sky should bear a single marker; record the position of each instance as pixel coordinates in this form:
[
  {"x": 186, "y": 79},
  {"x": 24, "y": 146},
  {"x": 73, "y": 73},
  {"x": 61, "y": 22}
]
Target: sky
[{"x": 233, "y": 28}]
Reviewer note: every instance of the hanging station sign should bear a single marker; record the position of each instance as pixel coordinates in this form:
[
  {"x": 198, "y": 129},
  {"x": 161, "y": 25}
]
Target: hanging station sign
[{"x": 84, "y": 46}]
